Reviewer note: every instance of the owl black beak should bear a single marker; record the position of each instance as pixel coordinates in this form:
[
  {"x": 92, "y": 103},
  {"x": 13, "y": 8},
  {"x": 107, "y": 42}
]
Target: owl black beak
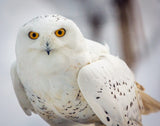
[{"x": 48, "y": 49}]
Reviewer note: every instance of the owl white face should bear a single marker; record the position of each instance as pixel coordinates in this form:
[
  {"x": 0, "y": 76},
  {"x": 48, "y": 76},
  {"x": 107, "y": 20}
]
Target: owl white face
[{"x": 47, "y": 34}]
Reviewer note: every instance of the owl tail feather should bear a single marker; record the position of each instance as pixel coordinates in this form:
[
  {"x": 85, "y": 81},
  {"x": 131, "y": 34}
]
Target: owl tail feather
[{"x": 150, "y": 105}]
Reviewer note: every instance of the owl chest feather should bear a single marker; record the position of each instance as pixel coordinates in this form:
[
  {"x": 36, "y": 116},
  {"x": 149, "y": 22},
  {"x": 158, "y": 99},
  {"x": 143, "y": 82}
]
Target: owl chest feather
[
  {"x": 57, "y": 95},
  {"x": 60, "y": 97}
]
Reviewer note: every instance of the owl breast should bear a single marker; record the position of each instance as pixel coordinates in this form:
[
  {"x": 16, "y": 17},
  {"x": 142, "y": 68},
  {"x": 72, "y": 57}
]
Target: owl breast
[
  {"x": 55, "y": 95},
  {"x": 70, "y": 105},
  {"x": 59, "y": 96}
]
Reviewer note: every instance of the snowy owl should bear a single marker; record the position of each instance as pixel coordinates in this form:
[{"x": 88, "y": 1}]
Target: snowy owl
[{"x": 70, "y": 80}]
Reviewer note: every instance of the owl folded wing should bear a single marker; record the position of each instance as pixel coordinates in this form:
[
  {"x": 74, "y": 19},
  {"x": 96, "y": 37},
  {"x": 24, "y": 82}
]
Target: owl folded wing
[
  {"x": 20, "y": 92},
  {"x": 109, "y": 88}
]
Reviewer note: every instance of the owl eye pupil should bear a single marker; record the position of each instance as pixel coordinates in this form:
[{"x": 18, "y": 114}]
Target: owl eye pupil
[
  {"x": 34, "y": 34},
  {"x": 59, "y": 32}
]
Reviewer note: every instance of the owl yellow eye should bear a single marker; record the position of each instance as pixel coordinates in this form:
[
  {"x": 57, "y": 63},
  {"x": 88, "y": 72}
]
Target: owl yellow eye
[
  {"x": 33, "y": 35},
  {"x": 60, "y": 32}
]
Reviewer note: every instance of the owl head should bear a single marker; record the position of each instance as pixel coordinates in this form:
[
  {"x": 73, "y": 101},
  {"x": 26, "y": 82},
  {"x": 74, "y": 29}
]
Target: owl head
[{"x": 48, "y": 34}]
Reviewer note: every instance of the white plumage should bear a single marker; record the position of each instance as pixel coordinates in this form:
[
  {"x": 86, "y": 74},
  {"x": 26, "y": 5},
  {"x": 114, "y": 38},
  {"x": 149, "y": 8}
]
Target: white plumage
[
  {"x": 67, "y": 79},
  {"x": 109, "y": 88}
]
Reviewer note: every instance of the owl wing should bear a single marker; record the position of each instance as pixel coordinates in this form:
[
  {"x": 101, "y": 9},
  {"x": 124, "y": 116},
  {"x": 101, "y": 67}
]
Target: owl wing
[
  {"x": 109, "y": 88},
  {"x": 20, "y": 92}
]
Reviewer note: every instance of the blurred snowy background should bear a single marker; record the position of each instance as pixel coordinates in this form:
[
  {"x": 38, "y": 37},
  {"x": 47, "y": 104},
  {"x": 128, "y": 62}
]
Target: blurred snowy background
[{"x": 132, "y": 30}]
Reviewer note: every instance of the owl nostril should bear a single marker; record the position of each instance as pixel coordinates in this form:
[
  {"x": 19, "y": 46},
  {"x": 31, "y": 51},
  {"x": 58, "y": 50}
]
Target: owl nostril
[{"x": 47, "y": 44}]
